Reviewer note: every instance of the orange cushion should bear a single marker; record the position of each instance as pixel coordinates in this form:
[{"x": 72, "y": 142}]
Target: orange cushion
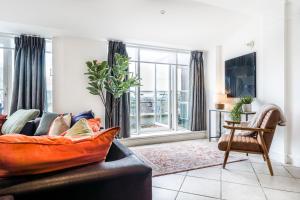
[
  {"x": 95, "y": 124},
  {"x": 25, "y": 155}
]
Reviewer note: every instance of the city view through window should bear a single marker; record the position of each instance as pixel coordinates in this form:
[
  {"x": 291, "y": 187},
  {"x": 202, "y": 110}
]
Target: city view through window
[{"x": 161, "y": 102}]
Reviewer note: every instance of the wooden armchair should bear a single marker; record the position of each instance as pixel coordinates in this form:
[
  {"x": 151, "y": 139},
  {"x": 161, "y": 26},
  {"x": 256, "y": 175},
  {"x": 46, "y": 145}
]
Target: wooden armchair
[{"x": 258, "y": 143}]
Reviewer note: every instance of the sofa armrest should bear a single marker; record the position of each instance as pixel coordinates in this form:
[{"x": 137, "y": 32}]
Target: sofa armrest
[{"x": 130, "y": 165}]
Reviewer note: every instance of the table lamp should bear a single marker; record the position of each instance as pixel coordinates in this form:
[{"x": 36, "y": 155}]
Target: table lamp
[{"x": 220, "y": 100}]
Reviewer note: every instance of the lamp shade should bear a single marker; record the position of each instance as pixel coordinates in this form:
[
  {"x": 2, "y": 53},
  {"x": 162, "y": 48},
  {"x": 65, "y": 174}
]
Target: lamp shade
[{"x": 220, "y": 98}]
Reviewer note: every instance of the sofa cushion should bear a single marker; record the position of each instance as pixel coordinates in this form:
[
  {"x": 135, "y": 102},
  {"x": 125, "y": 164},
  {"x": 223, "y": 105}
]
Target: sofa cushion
[
  {"x": 83, "y": 115},
  {"x": 29, "y": 128},
  {"x": 45, "y": 123},
  {"x": 60, "y": 125},
  {"x": 17, "y": 120},
  {"x": 81, "y": 128},
  {"x": 95, "y": 124},
  {"x": 25, "y": 155}
]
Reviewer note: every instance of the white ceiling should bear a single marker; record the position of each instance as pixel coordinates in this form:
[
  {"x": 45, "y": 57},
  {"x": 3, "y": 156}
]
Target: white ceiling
[{"x": 193, "y": 24}]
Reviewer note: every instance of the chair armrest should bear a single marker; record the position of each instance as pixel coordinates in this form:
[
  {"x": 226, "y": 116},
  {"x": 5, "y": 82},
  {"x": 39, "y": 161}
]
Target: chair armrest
[
  {"x": 248, "y": 129},
  {"x": 232, "y": 122}
]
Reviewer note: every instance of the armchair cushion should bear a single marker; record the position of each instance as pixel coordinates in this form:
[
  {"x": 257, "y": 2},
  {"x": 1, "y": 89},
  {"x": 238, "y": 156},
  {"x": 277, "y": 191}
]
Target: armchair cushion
[{"x": 242, "y": 143}]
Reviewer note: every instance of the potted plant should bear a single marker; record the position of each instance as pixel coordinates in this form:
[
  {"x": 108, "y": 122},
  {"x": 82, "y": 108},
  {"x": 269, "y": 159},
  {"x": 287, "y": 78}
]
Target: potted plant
[
  {"x": 115, "y": 80},
  {"x": 246, "y": 101},
  {"x": 243, "y": 105}
]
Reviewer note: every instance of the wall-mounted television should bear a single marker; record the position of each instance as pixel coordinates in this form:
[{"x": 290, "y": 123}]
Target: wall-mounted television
[{"x": 240, "y": 76}]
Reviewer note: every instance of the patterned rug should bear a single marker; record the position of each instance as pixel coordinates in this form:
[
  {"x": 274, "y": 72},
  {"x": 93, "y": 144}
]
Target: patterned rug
[{"x": 168, "y": 158}]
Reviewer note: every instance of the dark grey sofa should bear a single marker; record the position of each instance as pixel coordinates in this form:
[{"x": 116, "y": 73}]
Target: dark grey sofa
[{"x": 121, "y": 176}]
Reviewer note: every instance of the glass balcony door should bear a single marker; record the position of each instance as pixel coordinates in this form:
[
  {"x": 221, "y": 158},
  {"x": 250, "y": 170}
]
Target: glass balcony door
[
  {"x": 154, "y": 97},
  {"x": 161, "y": 102}
]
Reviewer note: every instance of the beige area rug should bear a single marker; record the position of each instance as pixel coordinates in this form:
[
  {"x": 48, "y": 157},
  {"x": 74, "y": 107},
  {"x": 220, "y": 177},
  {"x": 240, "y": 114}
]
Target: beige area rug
[{"x": 168, "y": 158}]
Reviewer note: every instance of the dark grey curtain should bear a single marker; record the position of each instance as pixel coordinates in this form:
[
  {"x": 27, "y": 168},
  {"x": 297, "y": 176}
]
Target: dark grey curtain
[
  {"x": 121, "y": 113},
  {"x": 197, "y": 93},
  {"x": 29, "y": 85}
]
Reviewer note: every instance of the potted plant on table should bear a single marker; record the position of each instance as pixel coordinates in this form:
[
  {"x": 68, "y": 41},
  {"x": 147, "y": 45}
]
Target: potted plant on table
[
  {"x": 243, "y": 105},
  {"x": 113, "y": 79}
]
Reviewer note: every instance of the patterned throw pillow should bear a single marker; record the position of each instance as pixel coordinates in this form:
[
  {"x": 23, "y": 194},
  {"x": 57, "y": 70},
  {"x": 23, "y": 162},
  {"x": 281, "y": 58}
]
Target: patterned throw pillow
[
  {"x": 17, "y": 120},
  {"x": 60, "y": 125},
  {"x": 81, "y": 128}
]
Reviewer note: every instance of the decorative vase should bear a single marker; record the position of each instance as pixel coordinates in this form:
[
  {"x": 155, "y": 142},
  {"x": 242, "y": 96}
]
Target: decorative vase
[{"x": 246, "y": 108}]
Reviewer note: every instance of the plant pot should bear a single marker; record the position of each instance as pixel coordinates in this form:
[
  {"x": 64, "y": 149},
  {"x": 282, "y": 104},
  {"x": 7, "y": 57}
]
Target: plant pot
[{"x": 247, "y": 108}]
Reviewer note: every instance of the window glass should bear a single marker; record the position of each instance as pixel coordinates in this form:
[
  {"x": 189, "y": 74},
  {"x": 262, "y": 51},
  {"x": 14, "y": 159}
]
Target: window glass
[
  {"x": 183, "y": 58},
  {"x": 157, "y": 56},
  {"x": 1, "y": 82}
]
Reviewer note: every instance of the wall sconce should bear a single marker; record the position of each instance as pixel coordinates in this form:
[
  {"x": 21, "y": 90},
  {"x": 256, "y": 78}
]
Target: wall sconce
[{"x": 250, "y": 44}]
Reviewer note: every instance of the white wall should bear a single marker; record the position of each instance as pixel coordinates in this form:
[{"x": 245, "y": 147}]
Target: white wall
[
  {"x": 276, "y": 36},
  {"x": 293, "y": 80},
  {"x": 69, "y": 82},
  {"x": 268, "y": 34}
]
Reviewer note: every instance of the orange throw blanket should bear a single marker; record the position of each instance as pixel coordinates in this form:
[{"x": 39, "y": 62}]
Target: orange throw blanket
[{"x": 25, "y": 155}]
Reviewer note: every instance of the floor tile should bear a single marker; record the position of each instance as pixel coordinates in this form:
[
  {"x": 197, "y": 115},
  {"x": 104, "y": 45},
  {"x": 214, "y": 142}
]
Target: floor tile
[
  {"x": 279, "y": 182},
  {"x": 281, "y": 195},
  {"x": 210, "y": 173},
  {"x": 185, "y": 196},
  {"x": 240, "y": 166},
  {"x": 233, "y": 191},
  {"x": 172, "y": 182},
  {"x": 295, "y": 171},
  {"x": 262, "y": 168},
  {"x": 201, "y": 186},
  {"x": 182, "y": 173},
  {"x": 163, "y": 194},
  {"x": 239, "y": 177},
  {"x": 259, "y": 159}
]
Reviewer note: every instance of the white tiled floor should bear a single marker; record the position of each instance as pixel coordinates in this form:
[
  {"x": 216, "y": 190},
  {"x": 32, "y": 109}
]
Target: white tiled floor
[{"x": 239, "y": 181}]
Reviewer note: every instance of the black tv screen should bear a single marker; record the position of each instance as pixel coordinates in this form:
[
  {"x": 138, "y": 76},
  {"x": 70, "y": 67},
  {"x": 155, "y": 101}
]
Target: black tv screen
[{"x": 240, "y": 76}]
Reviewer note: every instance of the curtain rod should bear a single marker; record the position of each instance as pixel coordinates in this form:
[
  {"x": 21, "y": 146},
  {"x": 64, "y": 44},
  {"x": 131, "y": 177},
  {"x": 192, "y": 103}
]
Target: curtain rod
[{"x": 12, "y": 35}]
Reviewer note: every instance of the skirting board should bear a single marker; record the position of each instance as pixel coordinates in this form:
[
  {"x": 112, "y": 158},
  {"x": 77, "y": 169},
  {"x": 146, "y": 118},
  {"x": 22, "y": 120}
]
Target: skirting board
[
  {"x": 165, "y": 138},
  {"x": 294, "y": 160}
]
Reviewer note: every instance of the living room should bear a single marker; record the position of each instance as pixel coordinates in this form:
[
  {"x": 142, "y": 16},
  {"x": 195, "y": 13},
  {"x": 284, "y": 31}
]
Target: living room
[{"x": 176, "y": 76}]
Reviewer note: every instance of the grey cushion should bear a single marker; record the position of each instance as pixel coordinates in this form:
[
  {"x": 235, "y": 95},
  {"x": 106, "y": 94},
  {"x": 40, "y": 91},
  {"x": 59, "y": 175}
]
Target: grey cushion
[
  {"x": 17, "y": 120},
  {"x": 45, "y": 123}
]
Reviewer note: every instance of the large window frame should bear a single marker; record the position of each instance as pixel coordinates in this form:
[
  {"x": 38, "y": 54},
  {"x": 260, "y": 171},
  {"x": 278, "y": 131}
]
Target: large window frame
[{"x": 173, "y": 86}]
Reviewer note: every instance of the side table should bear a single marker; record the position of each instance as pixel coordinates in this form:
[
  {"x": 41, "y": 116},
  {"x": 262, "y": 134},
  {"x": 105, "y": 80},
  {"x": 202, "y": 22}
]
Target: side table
[{"x": 219, "y": 114}]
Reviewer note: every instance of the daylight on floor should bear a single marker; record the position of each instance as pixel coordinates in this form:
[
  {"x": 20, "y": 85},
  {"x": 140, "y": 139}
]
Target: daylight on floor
[{"x": 149, "y": 100}]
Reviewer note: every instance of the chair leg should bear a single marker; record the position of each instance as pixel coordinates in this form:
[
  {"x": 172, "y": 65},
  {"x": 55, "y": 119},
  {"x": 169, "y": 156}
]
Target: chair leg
[
  {"x": 263, "y": 155},
  {"x": 228, "y": 148},
  {"x": 225, "y": 159},
  {"x": 269, "y": 164}
]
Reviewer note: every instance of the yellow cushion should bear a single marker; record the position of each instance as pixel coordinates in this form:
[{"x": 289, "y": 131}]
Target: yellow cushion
[{"x": 81, "y": 128}]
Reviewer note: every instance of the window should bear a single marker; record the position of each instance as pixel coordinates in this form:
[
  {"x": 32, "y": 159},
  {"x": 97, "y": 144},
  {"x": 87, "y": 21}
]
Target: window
[
  {"x": 48, "y": 60},
  {"x": 161, "y": 102},
  {"x": 6, "y": 72}
]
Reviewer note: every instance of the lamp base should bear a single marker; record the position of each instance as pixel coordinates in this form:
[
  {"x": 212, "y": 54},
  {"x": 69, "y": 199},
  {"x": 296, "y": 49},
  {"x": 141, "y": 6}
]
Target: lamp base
[{"x": 219, "y": 106}]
